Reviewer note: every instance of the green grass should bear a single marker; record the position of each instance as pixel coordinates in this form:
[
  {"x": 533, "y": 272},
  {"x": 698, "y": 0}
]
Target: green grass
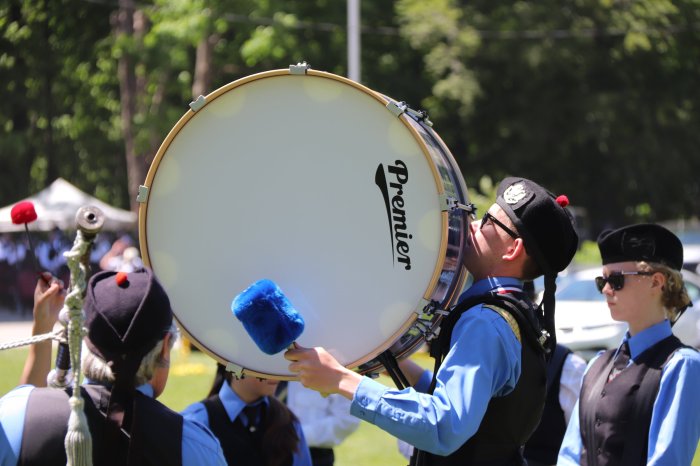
[{"x": 190, "y": 377}]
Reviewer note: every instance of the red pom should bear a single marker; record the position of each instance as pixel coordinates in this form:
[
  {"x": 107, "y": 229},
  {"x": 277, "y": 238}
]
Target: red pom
[
  {"x": 121, "y": 278},
  {"x": 23, "y": 212},
  {"x": 563, "y": 200}
]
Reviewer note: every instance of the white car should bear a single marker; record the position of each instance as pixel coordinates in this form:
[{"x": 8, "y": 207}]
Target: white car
[{"x": 583, "y": 319}]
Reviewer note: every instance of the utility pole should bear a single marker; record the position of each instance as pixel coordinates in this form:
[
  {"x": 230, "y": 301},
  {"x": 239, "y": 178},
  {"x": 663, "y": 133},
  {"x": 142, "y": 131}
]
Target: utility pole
[{"x": 354, "y": 71}]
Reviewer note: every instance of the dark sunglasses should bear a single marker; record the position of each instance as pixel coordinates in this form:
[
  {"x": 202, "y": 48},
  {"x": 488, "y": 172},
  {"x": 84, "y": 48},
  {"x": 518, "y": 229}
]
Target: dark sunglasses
[
  {"x": 487, "y": 216},
  {"x": 616, "y": 280}
]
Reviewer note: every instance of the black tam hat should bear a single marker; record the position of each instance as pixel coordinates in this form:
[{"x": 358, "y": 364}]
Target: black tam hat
[
  {"x": 548, "y": 233},
  {"x": 126, "y": 314},
  {"x": 641, "y": 242}
]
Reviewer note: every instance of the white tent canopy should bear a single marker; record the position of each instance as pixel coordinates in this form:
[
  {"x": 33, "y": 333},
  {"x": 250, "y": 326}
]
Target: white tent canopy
[{"x": 56, "y": 206}]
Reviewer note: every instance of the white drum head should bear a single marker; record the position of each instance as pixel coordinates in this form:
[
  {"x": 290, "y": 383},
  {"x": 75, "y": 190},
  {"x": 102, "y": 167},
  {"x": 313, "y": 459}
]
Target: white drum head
[{"x": 275, "y": 178}]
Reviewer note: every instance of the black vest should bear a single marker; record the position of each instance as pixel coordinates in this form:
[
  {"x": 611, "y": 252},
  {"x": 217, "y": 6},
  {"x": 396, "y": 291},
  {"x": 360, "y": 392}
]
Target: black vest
[
  {"x": 241, "y": 446},
  {"x": 543, "y": 446},
  {"x": 615, "y": 416},
  {"x": 156, "y": 429},
  {"x": 509, "y": 420}
]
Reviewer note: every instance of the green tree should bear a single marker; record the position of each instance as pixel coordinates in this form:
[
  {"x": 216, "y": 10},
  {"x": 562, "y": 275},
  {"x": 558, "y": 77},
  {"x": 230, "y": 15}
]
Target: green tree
[
  {"x": 52, "y": 116},
  {"x": 592, "y": 98}
]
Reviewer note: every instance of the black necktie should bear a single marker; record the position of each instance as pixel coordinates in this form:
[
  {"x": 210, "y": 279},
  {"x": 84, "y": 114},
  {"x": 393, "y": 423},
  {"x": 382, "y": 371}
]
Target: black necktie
[
  {"x": 252, "y": 412},
  {"x": 621, "y": 361}
]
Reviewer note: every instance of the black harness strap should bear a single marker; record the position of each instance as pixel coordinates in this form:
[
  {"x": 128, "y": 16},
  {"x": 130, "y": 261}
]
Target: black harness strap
[
  {"x": 516, "y": 307},
  {"x": 392, "y": 367}
]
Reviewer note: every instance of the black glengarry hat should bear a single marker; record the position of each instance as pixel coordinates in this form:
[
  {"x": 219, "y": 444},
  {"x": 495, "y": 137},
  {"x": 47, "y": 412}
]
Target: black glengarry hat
[
  {"x": 542, "y": 220},
  {"x": 641, "y": 242},
  {"x": 126, "y": 314}
]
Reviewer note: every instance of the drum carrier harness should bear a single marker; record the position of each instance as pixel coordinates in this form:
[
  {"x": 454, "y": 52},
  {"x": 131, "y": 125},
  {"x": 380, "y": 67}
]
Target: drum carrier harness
[{"x": 492, "y": 436}]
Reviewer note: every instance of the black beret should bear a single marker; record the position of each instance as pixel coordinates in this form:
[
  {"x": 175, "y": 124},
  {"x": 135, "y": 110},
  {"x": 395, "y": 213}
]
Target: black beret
[
  {"x": 543, "y": 222},
  {"x": 126, "y": 314},
  {"x": 641, "y": 242}
]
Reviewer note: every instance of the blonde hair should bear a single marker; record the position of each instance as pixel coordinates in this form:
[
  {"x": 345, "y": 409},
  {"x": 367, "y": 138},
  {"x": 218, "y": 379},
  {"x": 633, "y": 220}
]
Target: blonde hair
[
  {"x": 98, "y": 370},
  {"x": 674, "y": 296}
]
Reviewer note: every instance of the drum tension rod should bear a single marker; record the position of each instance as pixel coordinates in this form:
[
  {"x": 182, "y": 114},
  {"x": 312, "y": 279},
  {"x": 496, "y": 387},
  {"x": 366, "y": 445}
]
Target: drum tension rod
[
  {"x": 420, "y": 115},
  {"x": 451, "y": 204}
]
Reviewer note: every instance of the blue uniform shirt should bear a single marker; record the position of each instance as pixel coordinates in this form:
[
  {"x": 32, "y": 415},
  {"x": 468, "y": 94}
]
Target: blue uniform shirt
[
  {"x": 199, "y": 445},
  {"x": 234, "y": 408},
  {"x": 484, "y": 361},
  {"x": 675, "y": 420}
]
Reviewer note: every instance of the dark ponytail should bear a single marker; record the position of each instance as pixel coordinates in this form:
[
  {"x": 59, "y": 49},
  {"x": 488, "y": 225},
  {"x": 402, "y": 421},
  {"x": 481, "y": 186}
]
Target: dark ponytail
[
  {"x": 280, "y": 439},
  {"x": 220, "y": 377}
]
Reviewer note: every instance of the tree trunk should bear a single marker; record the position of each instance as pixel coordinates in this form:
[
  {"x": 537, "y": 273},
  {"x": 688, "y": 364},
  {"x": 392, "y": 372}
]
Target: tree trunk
[
  {"x": 51, "y": 165},
  {"x": 201, "y": 84},
  {"x": 135, "y": 169}
]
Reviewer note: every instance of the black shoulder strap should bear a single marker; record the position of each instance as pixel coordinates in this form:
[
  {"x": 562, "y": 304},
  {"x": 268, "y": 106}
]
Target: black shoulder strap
[{"x": 520, "y": 309}]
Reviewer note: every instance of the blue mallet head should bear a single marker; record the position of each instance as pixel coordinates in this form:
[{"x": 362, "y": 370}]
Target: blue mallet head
[{"x": 268, "y": 316}]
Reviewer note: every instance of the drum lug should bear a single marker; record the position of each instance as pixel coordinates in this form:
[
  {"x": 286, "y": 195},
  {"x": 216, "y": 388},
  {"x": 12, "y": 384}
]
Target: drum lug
[
  {"x": 427, "y": 309},
  {"x": 398, "y": 108},
  {"x": 235, "y": 369},
  {"x": 299, "y": 68},
  {"x": 198, "y": 104},
  {"x": 424, "y": 322},
  {"x": 143, "y": 194}
]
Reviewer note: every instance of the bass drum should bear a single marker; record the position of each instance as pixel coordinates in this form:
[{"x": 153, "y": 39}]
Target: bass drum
[{"x": 343, "y": 197}]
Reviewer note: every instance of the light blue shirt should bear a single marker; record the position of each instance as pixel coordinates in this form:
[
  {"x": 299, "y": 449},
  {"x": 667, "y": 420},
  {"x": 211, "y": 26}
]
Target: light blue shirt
[
  {"x": 199, "y": 445},
  {"x": 484, "y": 361},
  {"x": 675, "y": 419},
  {"x": 233, "y": 406}
]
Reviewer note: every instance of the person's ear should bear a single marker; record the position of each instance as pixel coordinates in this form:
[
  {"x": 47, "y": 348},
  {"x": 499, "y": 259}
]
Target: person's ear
[
  {"x": 658, "y": 280},
  {"x": 515, "y": 250},
  {"x": 165, "y": 351}
]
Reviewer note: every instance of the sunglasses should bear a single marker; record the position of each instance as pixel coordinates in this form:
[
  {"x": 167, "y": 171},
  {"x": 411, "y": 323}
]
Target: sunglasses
[
  {"x": 616, "y": 280},
  {"x": 487, "y": 216}
]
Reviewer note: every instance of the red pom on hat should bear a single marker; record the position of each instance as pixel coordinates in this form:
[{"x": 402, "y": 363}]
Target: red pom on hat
[
  {"x": 23, "y": 212},
  {"x": 121, "y": 278},
  {"x": 562, "y": 200}
]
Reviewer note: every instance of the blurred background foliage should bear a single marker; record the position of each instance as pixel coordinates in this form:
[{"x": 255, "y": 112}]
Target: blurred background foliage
[{"x": 594, "y": 98}]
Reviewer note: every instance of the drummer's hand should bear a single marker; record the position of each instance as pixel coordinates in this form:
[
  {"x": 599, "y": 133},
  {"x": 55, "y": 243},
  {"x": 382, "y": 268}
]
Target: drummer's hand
[
  {"x": 48, "y": 301},
  {"x": 320, "y": 371}
]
